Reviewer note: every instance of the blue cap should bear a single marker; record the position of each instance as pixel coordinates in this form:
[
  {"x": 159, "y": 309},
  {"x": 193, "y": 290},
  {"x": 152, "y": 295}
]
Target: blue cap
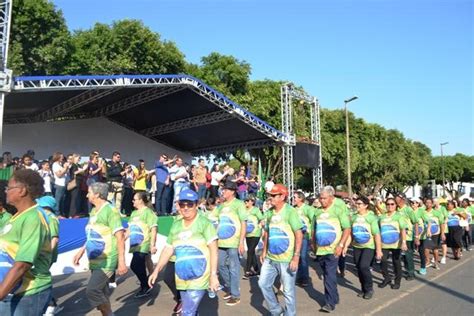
[
  {"x": 188, "y": 195},
  {"x": 47, "y": 201}
]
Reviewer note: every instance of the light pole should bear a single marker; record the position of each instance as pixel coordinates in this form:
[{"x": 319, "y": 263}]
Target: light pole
[
  {"x": 442, "y": 168},
  {"x": 348, "y": 150}
]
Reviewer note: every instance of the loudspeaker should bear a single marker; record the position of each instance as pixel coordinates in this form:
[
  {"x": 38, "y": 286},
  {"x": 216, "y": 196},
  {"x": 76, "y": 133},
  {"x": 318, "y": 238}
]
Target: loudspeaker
[{"x": 306, "y": 155}]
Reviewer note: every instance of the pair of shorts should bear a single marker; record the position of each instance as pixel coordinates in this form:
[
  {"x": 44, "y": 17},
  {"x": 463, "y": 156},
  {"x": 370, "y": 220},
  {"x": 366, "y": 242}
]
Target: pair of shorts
[
  {"x": 97, "y": 290},
  {"x": 433, "y": 243}
]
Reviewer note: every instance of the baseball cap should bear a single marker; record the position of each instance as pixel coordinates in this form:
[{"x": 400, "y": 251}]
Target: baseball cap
[
  {"x": 279, "y": 189},
  {"x": 47, "y": 201},
  {"x": 415, "y": 199},
  {"x": 188, "y": 195}
]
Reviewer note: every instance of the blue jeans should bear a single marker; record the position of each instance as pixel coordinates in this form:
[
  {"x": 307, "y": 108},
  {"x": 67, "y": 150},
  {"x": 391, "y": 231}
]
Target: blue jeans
[
  {"x": 28, "y": 305},
  {"x": 201, "y": 191},
  {"x": 160, "y": 187},
  {"x": 60, "y": 197},
  {"x": 229, "y": 270},
  {"x": 329, "y": 265},
  {"x": 268, "y": 273},
  {"x": 303, "y": 267},
  {"x": 191, "y": 300},
  {"x": 178, "y": 187}
]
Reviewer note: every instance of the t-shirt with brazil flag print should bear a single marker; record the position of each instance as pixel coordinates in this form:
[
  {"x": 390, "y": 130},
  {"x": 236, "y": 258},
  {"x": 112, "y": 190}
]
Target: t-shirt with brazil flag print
[
  {"x": 253, "y": 222},
  {"x": 390, "y": 228},
  {"x": 280, "y": 227},
  {"x": 434, "y": 219},
  {"x": 410, "y": 220},
  {"x": 422, "y": 222},
  {"x": 329, "y": 225},
  {"x": 101, "y": 243},
  {"x": 306, "y": 214},
  {"x": 54, "y": 231},
  {"x": 230, "y": 215},
  {"x": 364, "y": 227},
  {"x": 26, "y": 238},
  {"x": 190, "y": 245},
  {"x": 140, "y": 224}
]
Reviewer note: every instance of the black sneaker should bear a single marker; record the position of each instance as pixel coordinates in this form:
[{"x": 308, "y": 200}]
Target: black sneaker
[
  {"x": 395, "y": 286},
  {"x": 410, "y": 278},
  {"x": 178, "y": 308},
  {"x": 327, "y": 308},
  {"x": 385, "y": 283},
  {"x": 143, "y": 292},
  {"x": 368, "y": 295}
]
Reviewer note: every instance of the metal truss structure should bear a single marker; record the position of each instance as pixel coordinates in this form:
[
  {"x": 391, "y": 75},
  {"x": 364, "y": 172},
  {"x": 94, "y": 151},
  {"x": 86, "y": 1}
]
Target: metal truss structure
[
  {"x": 5, "y": 74},
  {"x": 288, "y": 92}
]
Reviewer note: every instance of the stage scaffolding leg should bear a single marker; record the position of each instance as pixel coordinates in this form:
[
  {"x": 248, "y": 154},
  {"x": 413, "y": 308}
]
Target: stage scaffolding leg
[
  {"x": 5, "y": 74},
  {"x": 287, "y": 128},
  {"x": 316, "y": 136}
]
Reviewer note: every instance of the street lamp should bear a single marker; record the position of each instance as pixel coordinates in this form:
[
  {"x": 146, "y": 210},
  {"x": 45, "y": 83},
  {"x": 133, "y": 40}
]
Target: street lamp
[
  {"x": 349, "y": 180},
  {"x": 442, "y": 167}
]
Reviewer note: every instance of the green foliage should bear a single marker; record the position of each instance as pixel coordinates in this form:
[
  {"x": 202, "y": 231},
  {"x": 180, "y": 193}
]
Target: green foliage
[
  {"x": 456, "y": 168},
  {"x": 126, "y": 46},
  {"x": 40, "y": 43}
]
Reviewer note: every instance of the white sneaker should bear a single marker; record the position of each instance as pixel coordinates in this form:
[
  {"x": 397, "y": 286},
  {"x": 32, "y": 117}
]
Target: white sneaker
[
  {"x": 112, "y": 285},
  {"x": 432, "y": 260},
  {"x": 53, "y": 310},
  {"x": 443, "y": 260}
]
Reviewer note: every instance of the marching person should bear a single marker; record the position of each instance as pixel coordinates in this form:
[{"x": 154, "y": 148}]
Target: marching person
[
  {"x": 25, "y": 249},
  {"x": 393, "y": 235},
  {"x": 281, "y": 251},
  {"x": 412, "y": 236},
  {"x": 142, "y": 233},
  {"x": 366, "y": 243},
  {"x": 332, "y": 229},
  {"x": 455, "y": 216},
  {"x": 193, "y": 240},
  {"x": 306, "y": 214},
  {"x": 231, "y": 231},
  {"x": 105, "y": 246},
  {"x": 254, "y": 232},
  {"x": 434, "y": 232}
]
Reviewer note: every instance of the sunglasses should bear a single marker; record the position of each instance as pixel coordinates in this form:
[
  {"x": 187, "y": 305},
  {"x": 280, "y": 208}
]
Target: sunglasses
[{"x": 186, "y": 204}]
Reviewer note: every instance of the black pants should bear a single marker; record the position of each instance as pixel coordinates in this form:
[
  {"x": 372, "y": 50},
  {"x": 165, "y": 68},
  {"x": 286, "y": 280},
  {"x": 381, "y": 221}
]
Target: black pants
[
  {"x": 362, "y": 259},
  {"x": 252, "y": 243},
  {"x": 138, "y": 267},
  {"x": 466, "y": 238},
  {"x": 421, "y": 251},
  {"x": 214, "y": 191},
  {"x": 397, "y": 264},
  {"x": 170, "y": 280}
]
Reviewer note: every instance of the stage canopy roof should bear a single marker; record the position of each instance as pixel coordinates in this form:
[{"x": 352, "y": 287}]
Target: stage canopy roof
[{"x": 177, "y": 110}]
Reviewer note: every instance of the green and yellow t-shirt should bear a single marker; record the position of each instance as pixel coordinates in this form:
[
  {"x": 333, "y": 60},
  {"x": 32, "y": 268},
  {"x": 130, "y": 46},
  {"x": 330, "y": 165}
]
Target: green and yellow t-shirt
[
  {"x": 364, "y": 228},
  {"x": 253, "y": 222},
  {"x": 140, "y": 224},
  {"x": 280, "y": 227},
  {"x": 329, "y": 225},
  {"x": 410, "y": 220},
  {"x": 26, "y": 238},
  {"x": 433, "y": 219},
  {"x": 176, "y": 218},
  {"x": 190, "y": 245},
  {"x": 469, "y": 212},
  {"x": 4, "y": 217},
  {"x": 390, "y": 228},
  {"x": 54, "y": 232},
  {"x": 444, "y": 212},
  {"x": 213, "y": 217},
  {"x": 101, "y": 244},
  {"x": 306, "y": 214},
  {"x": 230, "y": 215},
  {"x": 422, "y": 222}
]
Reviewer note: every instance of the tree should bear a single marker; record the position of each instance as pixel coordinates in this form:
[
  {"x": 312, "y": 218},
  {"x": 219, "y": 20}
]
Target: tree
[
  {"x": 125, "y": 47},
  {"x": 457, "y": 168},
  {"x": 40, "y": 43}
]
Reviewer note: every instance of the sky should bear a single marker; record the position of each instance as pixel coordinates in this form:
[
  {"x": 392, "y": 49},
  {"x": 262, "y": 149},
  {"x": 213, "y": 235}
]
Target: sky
[{"x": 410, "y": 62}]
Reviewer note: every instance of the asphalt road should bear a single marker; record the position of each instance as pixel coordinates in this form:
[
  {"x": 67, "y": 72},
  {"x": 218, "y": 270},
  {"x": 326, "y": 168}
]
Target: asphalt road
[{"x": 449, "y": 291}]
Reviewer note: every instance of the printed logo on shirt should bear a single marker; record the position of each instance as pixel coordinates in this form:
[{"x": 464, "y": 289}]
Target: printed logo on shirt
[
  {"x": 390, "y": 234},
  {"x": 226, "y": 228},
  {"x": 278, "y": 240},
  {"x": 6, "y": 263},
  {"x": 190, "y": 263},
  {"x": 136, "y": 235},
  {"x": 185, "y": 235}
]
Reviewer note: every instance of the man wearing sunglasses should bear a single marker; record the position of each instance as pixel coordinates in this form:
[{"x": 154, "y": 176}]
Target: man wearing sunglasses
[
  {"x": 332, "y": 229},
  {"x": 281, "y": 251},
  {"x": 193, "y": 240},
  {"x": 231, "y": 230}
]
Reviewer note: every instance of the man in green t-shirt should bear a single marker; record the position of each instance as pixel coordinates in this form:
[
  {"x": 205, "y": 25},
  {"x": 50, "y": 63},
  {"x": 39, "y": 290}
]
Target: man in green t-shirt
[
  {"x": 193, "y": 240},
  {"x": 105, "y": 246},
  {"x": 306, "y": 214},
  {"x": 332, "y": 229},
  {"x": 412, "y": 237},
  {"x": 281, "y": 251},
  {"x": 231, "y": 231}
]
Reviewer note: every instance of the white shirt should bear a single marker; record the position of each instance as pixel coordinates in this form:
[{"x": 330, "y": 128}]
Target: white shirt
[
  {"x": 61, "y": 181},
  {"x": 33, "y": 167},
  {"x": 216, "y": 177},
  {"x": 178, "y": 171}
]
